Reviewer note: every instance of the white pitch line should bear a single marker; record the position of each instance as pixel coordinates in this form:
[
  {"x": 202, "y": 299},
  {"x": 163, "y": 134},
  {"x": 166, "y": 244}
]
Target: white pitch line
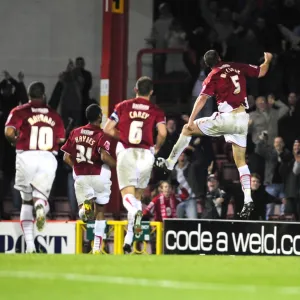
[{"x": 181, "y": 285}]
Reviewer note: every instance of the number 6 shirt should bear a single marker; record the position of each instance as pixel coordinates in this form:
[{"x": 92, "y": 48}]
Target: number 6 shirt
[
  {"x": 38, "y": 127},
  {"x": 84, "y": 145},
  {"x": 136, "y": 120}
]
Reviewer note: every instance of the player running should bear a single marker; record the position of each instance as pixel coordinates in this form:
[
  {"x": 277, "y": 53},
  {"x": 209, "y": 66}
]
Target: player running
[
  {"x": 36, "y": 130},
  {"x": 227, "y": 83},
  {"x": 87, "y": 152},
  {"x": 136, "y": 118}
]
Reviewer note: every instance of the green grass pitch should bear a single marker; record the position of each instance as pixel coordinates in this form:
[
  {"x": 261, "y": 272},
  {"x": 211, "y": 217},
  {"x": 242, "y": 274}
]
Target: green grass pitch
[{"x": 55, "y": 277}]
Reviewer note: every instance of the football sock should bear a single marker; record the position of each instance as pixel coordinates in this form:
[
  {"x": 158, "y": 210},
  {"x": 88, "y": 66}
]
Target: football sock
[
  {"x": 81, "y": 213},
  {"x": 178, "y": 148},
  {"x": 129, "y": 203},
  {"x": 99, "y": 233},
  {"x": 138, "y": 204},
  {"x": 26, "y": 219},
  {"x": 245, "y": 179},
  {"x": 129, "y": 235}
]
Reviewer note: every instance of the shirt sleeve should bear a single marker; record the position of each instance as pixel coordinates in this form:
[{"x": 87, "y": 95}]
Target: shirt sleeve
[
  {"x": 249, "y": 70},
  {"x": 68, "y": 145},
  {"x": 115, "y": 116},
  {"x": 14, "y": 120},
  {"x": 104, "y": 143},
  {"x": 208, "y": 86},
  {"x": 160, "y": 117}
]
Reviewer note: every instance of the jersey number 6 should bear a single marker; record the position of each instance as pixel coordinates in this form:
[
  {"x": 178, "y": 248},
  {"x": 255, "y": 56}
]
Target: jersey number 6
[{"x": 135, "y": 132}]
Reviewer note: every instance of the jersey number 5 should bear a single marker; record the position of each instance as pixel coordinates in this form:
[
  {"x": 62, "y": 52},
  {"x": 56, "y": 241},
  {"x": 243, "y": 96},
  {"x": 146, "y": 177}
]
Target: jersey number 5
[
  {"x": 136, "y": 132},
  {"x": 235, "y": 80},
  {"x": 84, "y": 154},
  {"x": 41, "y": 138}
]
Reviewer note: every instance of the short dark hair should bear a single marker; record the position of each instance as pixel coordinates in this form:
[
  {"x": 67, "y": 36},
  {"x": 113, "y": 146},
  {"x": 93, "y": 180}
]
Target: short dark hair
[
  {"x": 79, "y": 58},
  {"x": 257, "y": 176},
  {"x": 93, "y": 112},
  {"x": 211, "y": 58},
  {"x": 144, "y": 86},
  {"x": 36, "y": 90}
]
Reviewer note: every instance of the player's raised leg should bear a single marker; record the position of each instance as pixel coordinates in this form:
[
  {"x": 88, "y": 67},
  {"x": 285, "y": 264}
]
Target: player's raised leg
[
  {"x": 183, "y": 141},
  {"x": 239, "y": 155}
]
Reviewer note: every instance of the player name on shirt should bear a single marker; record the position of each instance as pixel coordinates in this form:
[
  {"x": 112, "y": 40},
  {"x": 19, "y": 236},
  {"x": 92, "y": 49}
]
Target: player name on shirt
[
  {"x": 41, "y": 118},
  {"x": 84, "y": 139},
  {"x": 230, "y": 70},
  {"x": 138, "y": 115}
]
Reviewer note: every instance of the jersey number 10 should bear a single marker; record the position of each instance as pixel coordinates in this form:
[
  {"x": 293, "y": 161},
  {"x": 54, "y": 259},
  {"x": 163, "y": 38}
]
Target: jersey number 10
[{"x": 41, "y": 138}]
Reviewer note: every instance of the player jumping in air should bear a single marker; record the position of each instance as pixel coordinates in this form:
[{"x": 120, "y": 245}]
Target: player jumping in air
[
  {"x": 36, "y": 130},
  {"x": 87, "y": 152},
  {"x": 136, "y": 118},
  {"x": 227, "y": 83}
]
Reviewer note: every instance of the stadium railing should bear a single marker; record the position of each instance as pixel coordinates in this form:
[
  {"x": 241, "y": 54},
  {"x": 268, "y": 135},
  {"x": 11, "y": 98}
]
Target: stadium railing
[{"x": 151, "y": 242}]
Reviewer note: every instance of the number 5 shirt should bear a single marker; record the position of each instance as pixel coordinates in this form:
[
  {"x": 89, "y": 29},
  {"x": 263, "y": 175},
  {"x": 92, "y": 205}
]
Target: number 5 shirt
[
  {"x": 227, "y": 82},
  {"x": 136, "y": 120}
]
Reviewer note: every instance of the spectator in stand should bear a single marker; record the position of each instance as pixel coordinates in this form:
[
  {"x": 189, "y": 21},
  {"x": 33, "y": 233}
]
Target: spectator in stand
[
  {"x": 274, "y": 156},
  {"x": 260, "y": 198},
  {"x": 68, "y": 93},
  {"x": 182, "y": 174},
  {"x": 216, "y": 201},
  {"x": 290, "y": 171},
  {"x": 12, "y": 93},
  {"x": 157, "y": 38},
  {"x": 223, "y": 25},
  {"x": 289, "y": 125},
  {"x": 161, "y": 27},
  {"x": 175, "y": 38},
  {"x": 87, "y": 85},
  {"x": 162, "y": 206},
  {"x": 266, "y": 117}
]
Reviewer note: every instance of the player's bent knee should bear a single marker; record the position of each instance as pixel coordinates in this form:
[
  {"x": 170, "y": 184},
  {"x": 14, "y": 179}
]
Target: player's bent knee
[
  {"x": 26, "y": 197},
  {"x": 186, "y": 131}
]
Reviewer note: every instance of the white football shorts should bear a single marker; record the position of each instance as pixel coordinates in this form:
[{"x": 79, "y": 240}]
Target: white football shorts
[
  {"x": 35, "y": 173},
  {"x": 234, "y": 126},
  {"x": 134, "y": 166},
  {"x": 88, "y": 187}
]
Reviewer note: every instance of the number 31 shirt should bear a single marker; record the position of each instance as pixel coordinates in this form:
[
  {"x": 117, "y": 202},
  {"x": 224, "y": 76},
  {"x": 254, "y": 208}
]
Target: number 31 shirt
[
  {"x": 136, "y": 120},
  {"x": 84, "y": 145},
  {"x": 38, "y": 127}
]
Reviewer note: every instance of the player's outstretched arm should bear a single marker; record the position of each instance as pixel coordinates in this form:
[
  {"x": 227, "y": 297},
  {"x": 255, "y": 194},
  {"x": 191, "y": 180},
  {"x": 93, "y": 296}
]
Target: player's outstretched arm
[
  {"x": 11, "y": 135},
  {"x": 110, "y": 129},
  {"x": 161, "y": 136},
  {"x": 68, "y": 159},
  {"x": 107, "y": 159},
  {"x": 265, "y": 66},
  {"x": 200, "y": 102}
]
